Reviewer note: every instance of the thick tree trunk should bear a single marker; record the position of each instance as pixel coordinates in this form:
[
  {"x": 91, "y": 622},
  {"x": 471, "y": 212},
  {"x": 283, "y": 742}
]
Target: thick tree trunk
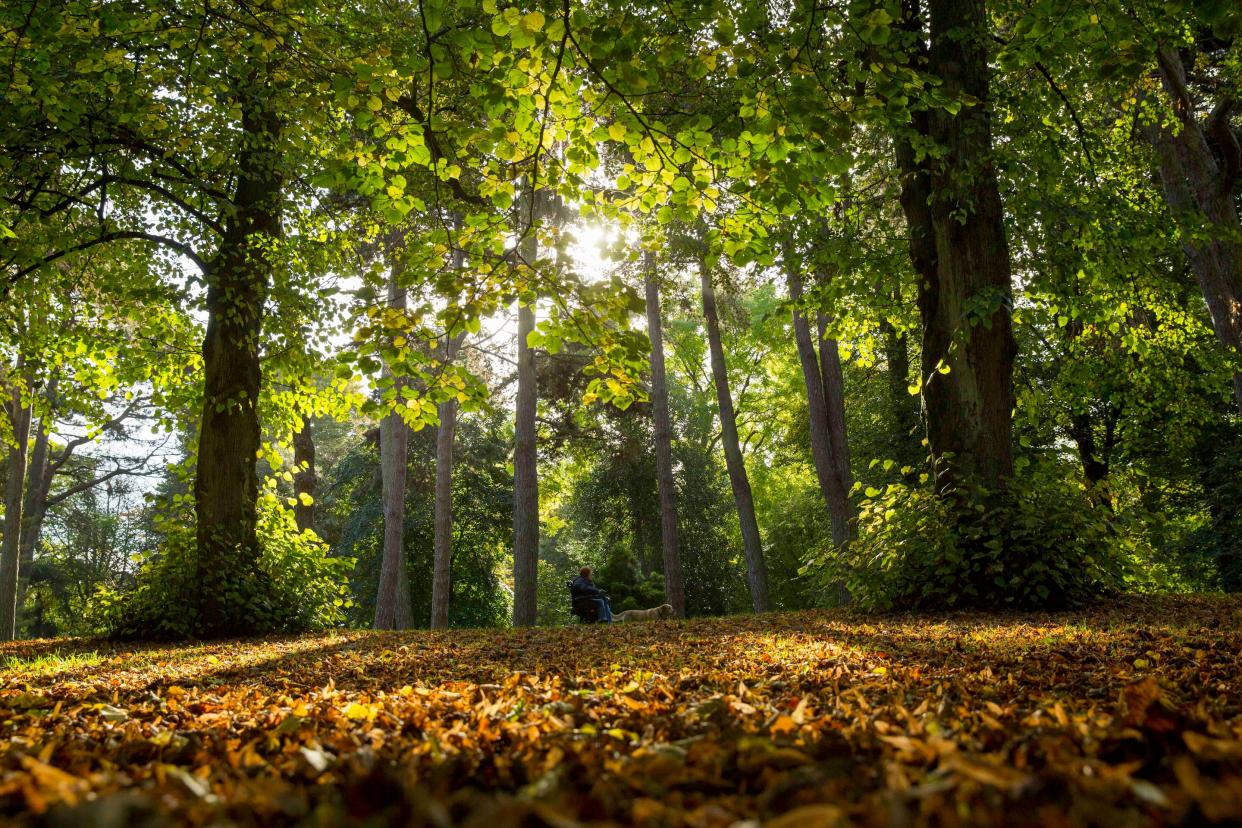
[
  {"x": 752, "y": 544},
  {"x": 34, "y": 509},
  {"x": 674, "y": 587},
  {"x": 827, "y": 466},
  {"x": 1200, "y": 195},
  {"x": 226, "y": 484},
  {"x": 392, "y": 603},
  {"x": 19, "y": 419},
  {"x": 304, "y": 478},
  {"x": 441, "y": 579},
  {"x": 962, "y": 263}
]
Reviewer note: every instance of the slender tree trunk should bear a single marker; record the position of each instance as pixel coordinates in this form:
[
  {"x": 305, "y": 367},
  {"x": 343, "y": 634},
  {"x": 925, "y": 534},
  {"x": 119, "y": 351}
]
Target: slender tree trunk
[
  {"x": 226, "y": 484},
  {"x": 392, "y": 603},
  {"x": 304, "y": 479},
  {"x": 834, "y": 396},
  {"x": 1199, "y": 192},
  {"x": 961, "y": 262},
  {"x": 752, "y": 544},
  {"x": 441, "y": 579},
  {"x": 19, "y": 419},
  {"x": 674, "y": 588},
  {"x": 525, "y": 480},
  {"x": 827, "y": 466},
  {"x": 526, "y": 456}
]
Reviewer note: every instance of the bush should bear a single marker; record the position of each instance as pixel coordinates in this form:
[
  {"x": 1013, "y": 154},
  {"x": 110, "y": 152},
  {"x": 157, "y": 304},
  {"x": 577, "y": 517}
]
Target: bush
[
  {"x": 298, "y": 586},
  {"x": 1043, "y": 542}
]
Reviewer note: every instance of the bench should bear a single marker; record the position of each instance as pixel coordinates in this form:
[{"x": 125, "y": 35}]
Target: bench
[{"x": 585, "y": 608}]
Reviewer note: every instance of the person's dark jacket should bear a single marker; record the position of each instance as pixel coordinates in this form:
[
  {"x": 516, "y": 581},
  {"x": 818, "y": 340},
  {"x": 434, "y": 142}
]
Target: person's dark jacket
[{"x": 585, "y": 588}]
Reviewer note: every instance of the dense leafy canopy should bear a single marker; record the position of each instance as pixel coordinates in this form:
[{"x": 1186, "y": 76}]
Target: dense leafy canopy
[{"x": 343, "y": 204}]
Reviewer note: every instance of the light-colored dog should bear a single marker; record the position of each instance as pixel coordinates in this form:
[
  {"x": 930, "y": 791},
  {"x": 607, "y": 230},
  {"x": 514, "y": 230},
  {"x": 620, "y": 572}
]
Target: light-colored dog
[{"x": 655, "y": 613}]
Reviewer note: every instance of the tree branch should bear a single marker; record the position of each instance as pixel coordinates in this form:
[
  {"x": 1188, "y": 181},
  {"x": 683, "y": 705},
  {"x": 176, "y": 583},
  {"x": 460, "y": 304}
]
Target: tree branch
[{"x": 111, "y": 236}]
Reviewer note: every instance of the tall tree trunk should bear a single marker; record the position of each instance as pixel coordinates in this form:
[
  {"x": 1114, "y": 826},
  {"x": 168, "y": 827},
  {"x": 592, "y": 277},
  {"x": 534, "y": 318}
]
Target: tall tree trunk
[
  {"x": 960, "y": 262},
  {"x": 827, "y": 466},
  {"x": 752, "y": 544},
  {"x": 441, "y": 579},
  {"x": 525, "y": 480},
  {"x": 38, "y": 484},
  {"x": 674, "y": 587},
  {"x": 304, "y": 479},
  {"x": 226, "y": 484},
  {"x": 19, "y": 419},
  {"x": 1199, "y": 192},
  {"x": 392, "y": 603},
  {"x": 526, "y": 455}
]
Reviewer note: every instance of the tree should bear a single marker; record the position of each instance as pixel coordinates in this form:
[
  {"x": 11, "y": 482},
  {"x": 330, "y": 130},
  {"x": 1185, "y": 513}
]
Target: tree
[
  {"x": 1200, "y": 187},
  {"x": 674, "y": 588},
  {"x": 959, "y": 250},
  {"x": 392, "y": 604},
  {"x": 752, "y": 544},
  {"x": 226, "y": 487},
  {"x": 18, "y": 409},
  {"x": 446, "y": 411},
  {"x": 304, "y": 479},
  {"x": 823, "y": 383},
  {"x": 526, "y": 452}
]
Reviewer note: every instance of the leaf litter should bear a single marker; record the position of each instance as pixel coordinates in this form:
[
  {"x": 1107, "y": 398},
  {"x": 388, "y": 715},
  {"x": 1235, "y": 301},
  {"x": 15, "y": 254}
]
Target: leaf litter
[{"x": 1126, "y": 714}]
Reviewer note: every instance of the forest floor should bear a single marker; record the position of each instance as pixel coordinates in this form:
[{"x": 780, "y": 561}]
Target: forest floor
[{"x": 1127, "y": 714}]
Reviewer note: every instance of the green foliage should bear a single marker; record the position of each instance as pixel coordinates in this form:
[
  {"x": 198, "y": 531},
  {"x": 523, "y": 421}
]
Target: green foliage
[
  {"x": 552, "y": 596},
  {"x": 297, "y": 587},
  {"x": 1043, "y": 542},
  {"x": 351, "y": 518}
]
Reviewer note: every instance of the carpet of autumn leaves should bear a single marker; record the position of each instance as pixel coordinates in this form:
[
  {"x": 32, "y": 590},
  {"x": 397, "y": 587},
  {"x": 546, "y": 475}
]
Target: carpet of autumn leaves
[{"x": 1128, "y": 714}]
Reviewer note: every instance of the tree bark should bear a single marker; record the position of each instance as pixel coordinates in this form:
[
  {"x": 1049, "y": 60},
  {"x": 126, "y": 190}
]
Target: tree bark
[
  {"x": 392, "y": 603},
  {"x": 525, "y": 480},
  {"x": 19, "y": 419},
  {"x": 834, "y": 395},
  {"x": 752, "y": 544},
  {"x": 34, "y": 509},
  {"x": 827, "y": 465},
  {"x": 961, "y": 256},
  {"x": 526, "y": 454},
  {"x": 441, "y": 579},
  {"x": 1200, "y": 192},
  {"x": 674, "y": 587},
  {"x": 304, "y": 478},
  {"x": 226, "y": 483}
]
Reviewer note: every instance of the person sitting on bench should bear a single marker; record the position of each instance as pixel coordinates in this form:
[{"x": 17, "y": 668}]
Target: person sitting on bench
[{"x": 584, "y": 589}]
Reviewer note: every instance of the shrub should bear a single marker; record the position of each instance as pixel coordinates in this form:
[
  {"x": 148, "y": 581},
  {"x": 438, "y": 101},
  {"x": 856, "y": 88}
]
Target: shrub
[
  {"x": 1043, "y": 542},
  {"x": 298, "y": 586}
]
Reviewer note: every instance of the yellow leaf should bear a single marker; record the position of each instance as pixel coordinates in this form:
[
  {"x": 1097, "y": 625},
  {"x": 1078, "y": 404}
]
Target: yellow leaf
[{"x": 533, "y": 21}]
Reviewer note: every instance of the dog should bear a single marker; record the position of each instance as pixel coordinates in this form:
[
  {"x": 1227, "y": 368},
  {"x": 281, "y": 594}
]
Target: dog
[{"x": 655, "y": 613}]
